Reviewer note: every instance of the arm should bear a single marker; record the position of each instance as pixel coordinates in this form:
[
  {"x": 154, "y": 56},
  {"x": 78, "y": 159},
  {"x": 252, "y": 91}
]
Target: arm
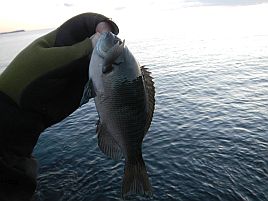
[
  {"x": 38, "y": 59},
  {"x": 59, "y": 48}
]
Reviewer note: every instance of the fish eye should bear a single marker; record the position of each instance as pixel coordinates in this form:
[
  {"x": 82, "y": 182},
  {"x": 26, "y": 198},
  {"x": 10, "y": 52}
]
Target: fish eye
[
  {"x": 117, "y": 63},
  {"x": 107, "y": 68}
]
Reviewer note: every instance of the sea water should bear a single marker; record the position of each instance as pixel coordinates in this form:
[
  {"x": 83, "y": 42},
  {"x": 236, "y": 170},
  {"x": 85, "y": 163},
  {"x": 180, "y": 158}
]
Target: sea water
[{"x": 209, "y": 136}]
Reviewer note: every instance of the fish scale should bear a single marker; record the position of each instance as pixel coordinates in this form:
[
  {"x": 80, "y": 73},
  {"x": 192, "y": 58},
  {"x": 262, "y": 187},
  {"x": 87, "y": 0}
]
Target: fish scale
[{"x": 125, "y": 97}]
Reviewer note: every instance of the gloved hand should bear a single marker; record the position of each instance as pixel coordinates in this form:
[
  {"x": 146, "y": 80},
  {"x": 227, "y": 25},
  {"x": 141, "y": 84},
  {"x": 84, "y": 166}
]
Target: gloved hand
[
  {"x": 48, "y": 76},
  {"x": 94, "y": 39},
  {"x": 38, "y": 59}
]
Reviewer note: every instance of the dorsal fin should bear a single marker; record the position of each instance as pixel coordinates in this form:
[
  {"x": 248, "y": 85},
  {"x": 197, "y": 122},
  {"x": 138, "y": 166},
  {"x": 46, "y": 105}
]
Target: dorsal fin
[{"x": 150, "y": 93}]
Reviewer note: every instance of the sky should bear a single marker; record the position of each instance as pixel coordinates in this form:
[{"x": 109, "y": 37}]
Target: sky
[{"x": 142, "y": 16}]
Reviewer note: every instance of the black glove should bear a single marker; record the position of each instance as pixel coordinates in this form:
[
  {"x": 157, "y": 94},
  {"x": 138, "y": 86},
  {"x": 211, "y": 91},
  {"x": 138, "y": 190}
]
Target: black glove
[{"x": 48, "y": 76}]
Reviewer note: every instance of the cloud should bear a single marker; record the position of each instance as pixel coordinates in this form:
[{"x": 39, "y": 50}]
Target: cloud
[
  {"x": 120, "y": 8},
  {"x": 229, "y": 2},
  {"x": 68, "y": 4}
]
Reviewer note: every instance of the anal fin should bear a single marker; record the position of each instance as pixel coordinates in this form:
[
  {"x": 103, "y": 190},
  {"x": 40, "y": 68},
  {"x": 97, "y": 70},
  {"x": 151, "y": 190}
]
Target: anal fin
[{"x": 107, "y": 143}]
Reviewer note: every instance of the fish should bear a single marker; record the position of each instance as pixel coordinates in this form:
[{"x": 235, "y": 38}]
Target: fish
[{"x": 124, "y": 96}]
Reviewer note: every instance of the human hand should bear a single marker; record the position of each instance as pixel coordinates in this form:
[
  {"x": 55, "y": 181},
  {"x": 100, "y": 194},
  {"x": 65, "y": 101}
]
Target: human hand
[
  {"x": 53, "y": 69},
  {"x": 104, "y": 27},
  {"x": 38, "y": 59},
  {"x": 94, "y": 39}
]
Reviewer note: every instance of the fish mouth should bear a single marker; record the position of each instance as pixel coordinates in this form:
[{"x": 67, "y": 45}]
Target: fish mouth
[{"x": 106, "y": 43}]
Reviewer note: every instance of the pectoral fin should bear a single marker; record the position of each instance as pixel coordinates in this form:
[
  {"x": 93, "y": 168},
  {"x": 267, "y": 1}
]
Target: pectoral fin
[
  {"x": 150, "y": 94},
  {"x": 88, "y": 93},
  {"x": 107, "y": 144}
]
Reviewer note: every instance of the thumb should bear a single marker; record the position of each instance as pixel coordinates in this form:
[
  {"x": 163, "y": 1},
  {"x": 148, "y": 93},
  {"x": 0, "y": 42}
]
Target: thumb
[{"x": 94, "y": 39}]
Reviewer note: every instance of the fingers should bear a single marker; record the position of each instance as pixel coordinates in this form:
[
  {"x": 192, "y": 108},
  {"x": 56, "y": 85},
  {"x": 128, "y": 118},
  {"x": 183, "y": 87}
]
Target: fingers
[
  {"x": 95, "y": 38},
  {"x": 103, "y": 27}
]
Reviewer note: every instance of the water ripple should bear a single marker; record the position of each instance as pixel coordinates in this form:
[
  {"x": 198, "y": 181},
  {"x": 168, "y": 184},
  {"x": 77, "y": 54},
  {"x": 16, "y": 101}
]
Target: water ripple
[{"x": 209, "y": 135}]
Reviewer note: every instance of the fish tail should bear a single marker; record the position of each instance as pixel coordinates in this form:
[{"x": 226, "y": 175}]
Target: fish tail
[{"x": 136, "y": 180}]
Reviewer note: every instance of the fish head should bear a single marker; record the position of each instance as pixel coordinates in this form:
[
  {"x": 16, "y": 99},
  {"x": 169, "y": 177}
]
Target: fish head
[
  {"x": 112, "y": 60},
  {"x": 110, "y": 48}
]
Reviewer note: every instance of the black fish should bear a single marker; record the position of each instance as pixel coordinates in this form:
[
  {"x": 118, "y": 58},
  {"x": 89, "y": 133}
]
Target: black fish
[{"x": 124, "y": 97}]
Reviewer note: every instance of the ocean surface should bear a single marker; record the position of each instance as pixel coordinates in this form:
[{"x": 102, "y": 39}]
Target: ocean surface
[{"x": 208, "y": 140}]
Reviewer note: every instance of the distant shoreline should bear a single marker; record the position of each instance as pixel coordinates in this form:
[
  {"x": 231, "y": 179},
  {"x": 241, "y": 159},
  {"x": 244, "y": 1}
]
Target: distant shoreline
[{"x": 16, "y": 31}]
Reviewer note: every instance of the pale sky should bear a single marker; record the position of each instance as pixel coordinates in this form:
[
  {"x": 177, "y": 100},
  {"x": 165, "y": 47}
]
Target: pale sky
[{"x": 143, "y": 16}]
